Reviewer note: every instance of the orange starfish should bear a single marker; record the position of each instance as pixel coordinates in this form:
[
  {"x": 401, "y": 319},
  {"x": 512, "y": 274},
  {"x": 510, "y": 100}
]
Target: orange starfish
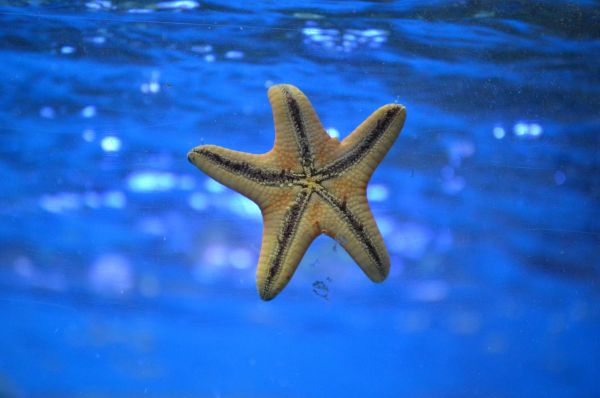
[{"x": 309, "y": 184}]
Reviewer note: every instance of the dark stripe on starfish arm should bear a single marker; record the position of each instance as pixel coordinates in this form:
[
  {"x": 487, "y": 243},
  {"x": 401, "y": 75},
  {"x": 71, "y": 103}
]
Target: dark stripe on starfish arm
[
  {"x": 355, "y": 226},
  {"x": 264, "y": 177},
  {"x": 305, "y": 153},
  {"x": 286, "y": 234},
  {"x": 361, "y": 150}
]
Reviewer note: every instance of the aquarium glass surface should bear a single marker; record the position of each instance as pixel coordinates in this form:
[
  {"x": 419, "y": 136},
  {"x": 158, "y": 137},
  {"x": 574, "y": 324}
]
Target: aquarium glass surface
[{"x": 127, "y": 272}]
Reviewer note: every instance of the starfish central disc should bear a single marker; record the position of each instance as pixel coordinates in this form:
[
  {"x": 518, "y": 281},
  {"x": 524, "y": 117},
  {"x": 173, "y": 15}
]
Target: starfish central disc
[
  {"x": 309, "y": 184},
  {"x": 312, "y": 183}
]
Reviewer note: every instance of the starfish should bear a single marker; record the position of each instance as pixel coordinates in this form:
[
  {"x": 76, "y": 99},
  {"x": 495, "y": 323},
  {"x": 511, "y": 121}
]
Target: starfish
[{"x": 307, "y": 185}]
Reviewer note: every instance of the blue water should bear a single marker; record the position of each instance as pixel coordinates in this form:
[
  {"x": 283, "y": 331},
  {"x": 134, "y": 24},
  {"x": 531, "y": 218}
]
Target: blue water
[{"x": 124, "y": 271}]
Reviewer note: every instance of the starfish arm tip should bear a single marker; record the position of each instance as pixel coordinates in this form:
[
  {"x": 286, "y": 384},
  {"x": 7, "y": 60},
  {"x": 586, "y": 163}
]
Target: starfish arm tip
[
  {"x": 263, "y": 297},
  {"x": 266, "y": 296},
  {"x": 377, "y": 273},
  {"x": 279, "y": 86},
  {"x": 265, "y": 291},
  {"x": 190, "y": 156},
  {"x": 399, "y": 108},
  {"x": 194, "y": 156},
  {"x": 379, "y": 278}
]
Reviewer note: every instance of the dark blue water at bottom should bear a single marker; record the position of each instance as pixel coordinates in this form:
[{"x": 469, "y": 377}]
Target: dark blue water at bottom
[{"x": 124, "y": 271}]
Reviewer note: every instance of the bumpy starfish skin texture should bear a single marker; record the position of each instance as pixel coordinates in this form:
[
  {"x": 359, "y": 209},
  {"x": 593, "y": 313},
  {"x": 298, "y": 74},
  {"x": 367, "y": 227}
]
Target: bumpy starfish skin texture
[{"x": 309, "y": 184}]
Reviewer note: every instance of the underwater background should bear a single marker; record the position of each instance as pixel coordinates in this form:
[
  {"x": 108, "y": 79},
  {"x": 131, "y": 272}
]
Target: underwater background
[{"x": 124, "y": 271}]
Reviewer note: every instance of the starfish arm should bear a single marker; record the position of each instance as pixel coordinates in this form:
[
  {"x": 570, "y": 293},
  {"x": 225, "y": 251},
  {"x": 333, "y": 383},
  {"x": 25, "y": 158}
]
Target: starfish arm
[
  {"x": 299, "y": 135},
  {"x": 351, "y": 223},
  {"x": 287, "y": 234},
  {"x": 367, "y": 145},
  {"x": 249, "y": 174}
]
